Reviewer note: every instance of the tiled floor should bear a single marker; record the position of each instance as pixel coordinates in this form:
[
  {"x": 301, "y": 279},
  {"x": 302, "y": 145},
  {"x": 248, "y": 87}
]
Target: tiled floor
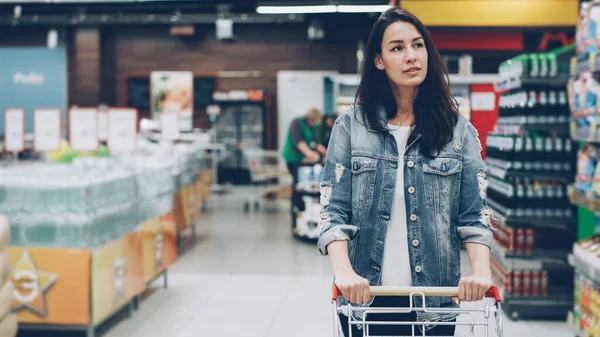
[{"x": 247, "y": 276}]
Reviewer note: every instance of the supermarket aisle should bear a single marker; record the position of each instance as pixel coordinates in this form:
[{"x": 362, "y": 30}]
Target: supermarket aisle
[{"x": 248, "y": 277}]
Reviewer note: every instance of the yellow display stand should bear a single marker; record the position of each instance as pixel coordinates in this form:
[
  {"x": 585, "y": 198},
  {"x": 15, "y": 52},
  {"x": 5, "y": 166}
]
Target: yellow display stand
[{"x": 78, "y": 289}]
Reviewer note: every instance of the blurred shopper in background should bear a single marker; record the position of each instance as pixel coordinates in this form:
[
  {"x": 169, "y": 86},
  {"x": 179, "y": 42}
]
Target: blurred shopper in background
[
  {"x": 303, "y": 147},
  {"x": 404, "y": 185},
  {"x": 327, "y": 127}
]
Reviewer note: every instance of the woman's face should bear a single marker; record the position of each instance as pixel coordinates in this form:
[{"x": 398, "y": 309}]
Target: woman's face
[{"x": 403, "y": 55}]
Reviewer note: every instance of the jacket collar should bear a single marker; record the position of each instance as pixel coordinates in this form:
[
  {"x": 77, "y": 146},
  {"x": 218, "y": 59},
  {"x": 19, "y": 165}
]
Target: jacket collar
[{"x": 383, "y": 120}]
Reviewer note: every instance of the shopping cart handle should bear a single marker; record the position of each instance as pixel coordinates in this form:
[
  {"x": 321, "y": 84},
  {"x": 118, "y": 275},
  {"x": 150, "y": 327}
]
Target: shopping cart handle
[{"x": 427, "y": 291}]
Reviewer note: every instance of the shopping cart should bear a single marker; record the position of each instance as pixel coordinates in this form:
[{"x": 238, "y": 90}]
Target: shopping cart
[
  {"x": 488, "y": 312},
  {"x": 265, "y": 171}
]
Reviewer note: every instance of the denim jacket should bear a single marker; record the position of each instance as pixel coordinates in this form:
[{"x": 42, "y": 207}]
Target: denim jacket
[{"x": 445, "y": 202}]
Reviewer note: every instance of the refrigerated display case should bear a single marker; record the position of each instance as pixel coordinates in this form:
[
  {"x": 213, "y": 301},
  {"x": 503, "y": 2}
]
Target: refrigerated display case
[{"x": 241, "y": 124}]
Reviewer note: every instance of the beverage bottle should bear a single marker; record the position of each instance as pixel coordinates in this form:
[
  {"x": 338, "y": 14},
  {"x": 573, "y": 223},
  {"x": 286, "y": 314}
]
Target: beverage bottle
[
  {"x": 548, "y": 154},
  {"x": 553, "y": 110},
  {"x": 520, "y": 198},
  {"x": 518, "y": 153},
  {"x": 529, "y": 198},
  {"x": 539, "y": 152},
  {"x": 529, "y": 153},
  {"x": 532, "y": 107},
  {"x": 543, "y": 108}
]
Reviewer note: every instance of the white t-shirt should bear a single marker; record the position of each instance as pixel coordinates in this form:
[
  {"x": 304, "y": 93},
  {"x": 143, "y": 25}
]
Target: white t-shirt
[{"x": 395, "y": 270}]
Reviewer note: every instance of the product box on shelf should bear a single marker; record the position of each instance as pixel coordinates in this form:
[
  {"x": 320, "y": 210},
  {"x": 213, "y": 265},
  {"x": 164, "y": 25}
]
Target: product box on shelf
[
  {"x": 587, "y": 29},
  {"x": 586, "y": 166},
  {"x": 586, "y": 98}
]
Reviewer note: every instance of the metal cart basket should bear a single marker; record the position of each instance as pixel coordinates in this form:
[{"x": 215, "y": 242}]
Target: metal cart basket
[
  {"x": 265, "y": 169},
  {"x": 489, "y": 313}
]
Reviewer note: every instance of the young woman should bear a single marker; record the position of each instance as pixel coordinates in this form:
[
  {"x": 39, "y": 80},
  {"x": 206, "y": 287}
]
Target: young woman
[{"x": 404, "y": 183}]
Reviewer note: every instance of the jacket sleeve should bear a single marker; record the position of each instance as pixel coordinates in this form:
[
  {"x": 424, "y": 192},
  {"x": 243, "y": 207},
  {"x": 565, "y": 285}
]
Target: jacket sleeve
[
  {"x": 474, "y": 215},
  {"x": 336, "y": 190}
]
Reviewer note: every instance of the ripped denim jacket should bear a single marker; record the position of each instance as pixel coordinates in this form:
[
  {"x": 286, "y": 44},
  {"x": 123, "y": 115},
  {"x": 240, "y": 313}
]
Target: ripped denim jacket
[{"x": 445, "y": 203}]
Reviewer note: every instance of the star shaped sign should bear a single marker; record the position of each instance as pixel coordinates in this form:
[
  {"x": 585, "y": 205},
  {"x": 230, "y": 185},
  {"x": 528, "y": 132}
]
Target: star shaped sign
[{"x": 31, "y": 285}]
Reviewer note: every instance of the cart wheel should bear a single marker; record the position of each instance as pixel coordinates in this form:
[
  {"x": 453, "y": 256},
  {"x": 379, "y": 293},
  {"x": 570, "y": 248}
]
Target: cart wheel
[
  {"x": 256, "y": 205},
  {"x": 246, "y": 207}
]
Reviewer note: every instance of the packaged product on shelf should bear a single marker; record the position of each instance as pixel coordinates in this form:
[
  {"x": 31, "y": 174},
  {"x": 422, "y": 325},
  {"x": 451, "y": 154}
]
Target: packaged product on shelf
[
  {"x": 586, "y": 166},
  {"x": 535, "y": 283},
  {"x": 526, "y": 283},
  {"x": 586, "y": 31},
  {"x": 517, "y": 286},
  {"x": 584, "y": 114},
  {"x": 529, "y": 240}
]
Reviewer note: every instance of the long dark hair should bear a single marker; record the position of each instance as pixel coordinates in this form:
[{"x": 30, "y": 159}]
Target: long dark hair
[{"x": 435, "y": 109}]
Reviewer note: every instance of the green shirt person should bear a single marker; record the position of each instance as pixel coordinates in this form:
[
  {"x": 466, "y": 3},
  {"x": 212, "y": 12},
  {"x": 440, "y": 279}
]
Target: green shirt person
[
  {"x": 302, "y": 147},
  {"x": 303, "y": 144}
]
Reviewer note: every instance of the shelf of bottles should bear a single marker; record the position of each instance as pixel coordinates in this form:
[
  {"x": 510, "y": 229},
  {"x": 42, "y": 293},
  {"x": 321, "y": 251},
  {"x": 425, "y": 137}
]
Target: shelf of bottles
[{"x": 530, "y": 161}]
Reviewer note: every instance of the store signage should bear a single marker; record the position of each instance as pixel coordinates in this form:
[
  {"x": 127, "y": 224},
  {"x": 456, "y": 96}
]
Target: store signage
[
  {"x": 83, "y": 129},
  {"x": 46, "y": 133},
  {"x": 483, "y": 101},
  {"x": 14, "y": 130},
  {"x": 31, "y": 78},
  {"x": 122, "y": 129},
  {"x": 31, "y": 285},
  {"x": 173, "y": 91},
  {"x": 169, "y": 125},
  {"x": 239, "y": 95}
]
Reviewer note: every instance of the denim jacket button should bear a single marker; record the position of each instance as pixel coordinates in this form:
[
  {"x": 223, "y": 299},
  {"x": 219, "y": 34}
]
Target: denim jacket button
[
  {"x": 411, "y": 190},
  {"x": 355, "y": 166},
  {"x": 413, "y": 217},
  {"x": 418, "y": 269},
  {"x": 386, "y": 217},
  {"x": 411, "y": 163},
  {"x": 394, "y": 165},
  {"x": 415, "y": 242}
]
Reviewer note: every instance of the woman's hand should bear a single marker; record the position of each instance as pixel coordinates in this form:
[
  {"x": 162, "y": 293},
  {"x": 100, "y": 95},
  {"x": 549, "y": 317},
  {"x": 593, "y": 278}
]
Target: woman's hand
[
  {"x": 473, "y": 288},
  {"x": 354, "y": 288}
]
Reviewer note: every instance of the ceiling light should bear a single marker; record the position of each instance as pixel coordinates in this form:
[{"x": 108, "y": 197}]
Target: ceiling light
[
  {"x": 362, "y": 8},
  {"x": 295, "y": 9}
]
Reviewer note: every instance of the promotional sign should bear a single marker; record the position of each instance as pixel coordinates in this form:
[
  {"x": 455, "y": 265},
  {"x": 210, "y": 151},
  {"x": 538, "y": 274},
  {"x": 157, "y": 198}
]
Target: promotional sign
[
  {"x": 173, "y": 92},
  {"x": 169, "y": 125},
  {"x": 122, "y": 129},
  {"x": 47, "y": 128},
  {"x": 47, "y": 290},
  {"x": 83, "y": 129},
  {"x": 160, "y": 245},
  {"x": 117, "y": 275},
  {"x": 31, "y": 78},
  {"x": 14, "y": 130}
]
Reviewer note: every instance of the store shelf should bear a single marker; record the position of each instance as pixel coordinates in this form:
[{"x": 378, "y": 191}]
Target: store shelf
[
  {"x": 515, "y": 262},
  {"x": 502, "y": 173},
  {"x": 585, "y": 263},
  {"x": 583, "y": 200},
  {"x": 553, "y": 307},
  {"x": 511, "y": 127},
  {"x": 506, "y": 218},
  {"x": 517, "y": 82}
]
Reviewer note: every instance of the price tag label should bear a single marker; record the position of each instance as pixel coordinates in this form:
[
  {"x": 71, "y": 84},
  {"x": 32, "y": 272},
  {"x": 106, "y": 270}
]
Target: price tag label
[
  {"x": 169, "y": 125},
  {"x": 102, "y": 126},
  {"x": 83, "y": 129},
  {"x": 14, "y": 130},
  {"x": 46, "y": 129},
  {"x": 122, "y": 129}
]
